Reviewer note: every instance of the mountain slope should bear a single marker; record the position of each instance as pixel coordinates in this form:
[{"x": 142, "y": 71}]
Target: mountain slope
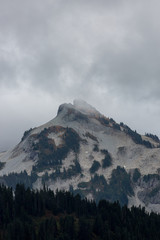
[{"x": 86, "y": 152}]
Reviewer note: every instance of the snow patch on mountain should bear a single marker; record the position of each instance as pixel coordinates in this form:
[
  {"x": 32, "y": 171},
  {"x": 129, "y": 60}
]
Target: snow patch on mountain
[
  {"x": 69, "y": 160},
  {"x": 16, "y": 164},
  {"x": 56, "y": 137}
]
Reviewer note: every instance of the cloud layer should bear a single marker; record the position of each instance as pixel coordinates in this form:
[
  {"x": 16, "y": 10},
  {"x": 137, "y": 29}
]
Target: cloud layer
[{"x": 106, "y": 52}]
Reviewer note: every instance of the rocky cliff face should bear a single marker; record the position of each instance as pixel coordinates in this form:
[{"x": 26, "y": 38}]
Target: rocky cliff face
[{"x": 86, "y": 152}]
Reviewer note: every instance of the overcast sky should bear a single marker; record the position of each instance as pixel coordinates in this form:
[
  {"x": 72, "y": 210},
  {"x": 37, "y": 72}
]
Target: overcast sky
[{"x": 106, "y": 52}]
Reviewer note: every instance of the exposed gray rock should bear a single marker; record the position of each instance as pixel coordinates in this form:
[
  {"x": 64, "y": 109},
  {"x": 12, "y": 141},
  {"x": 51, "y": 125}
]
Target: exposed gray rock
[{"x": 62, "y": 151}]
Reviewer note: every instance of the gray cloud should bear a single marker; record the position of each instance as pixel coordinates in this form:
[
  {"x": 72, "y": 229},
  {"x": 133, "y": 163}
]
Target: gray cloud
[{"x": 106, "y": 52}]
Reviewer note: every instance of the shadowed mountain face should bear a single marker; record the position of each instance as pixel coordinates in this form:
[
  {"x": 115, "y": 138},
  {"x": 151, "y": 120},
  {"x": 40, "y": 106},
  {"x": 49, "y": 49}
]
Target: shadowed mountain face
[{"x": 85, "y": 152}]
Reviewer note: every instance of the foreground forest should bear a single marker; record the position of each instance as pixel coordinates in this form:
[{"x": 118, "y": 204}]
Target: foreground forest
[{"x": 44, "y": 215}]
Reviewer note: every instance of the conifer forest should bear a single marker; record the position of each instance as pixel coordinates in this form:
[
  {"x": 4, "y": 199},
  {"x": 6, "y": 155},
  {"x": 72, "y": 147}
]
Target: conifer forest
[{"x": 44, "y": 215}]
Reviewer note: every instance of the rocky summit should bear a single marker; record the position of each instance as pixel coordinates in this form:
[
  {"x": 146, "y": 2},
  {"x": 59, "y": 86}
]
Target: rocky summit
[{"x": 85, "y": 152}]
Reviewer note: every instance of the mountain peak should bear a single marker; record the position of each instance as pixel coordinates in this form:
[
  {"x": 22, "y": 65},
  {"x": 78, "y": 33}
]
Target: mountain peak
[
  {"x": 78, "y": 105},
  {"x": 82, "y": 150}
]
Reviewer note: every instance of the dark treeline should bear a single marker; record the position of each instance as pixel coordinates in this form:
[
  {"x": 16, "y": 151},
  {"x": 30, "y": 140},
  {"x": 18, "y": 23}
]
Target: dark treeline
[{"x": 44, "y": 215}]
